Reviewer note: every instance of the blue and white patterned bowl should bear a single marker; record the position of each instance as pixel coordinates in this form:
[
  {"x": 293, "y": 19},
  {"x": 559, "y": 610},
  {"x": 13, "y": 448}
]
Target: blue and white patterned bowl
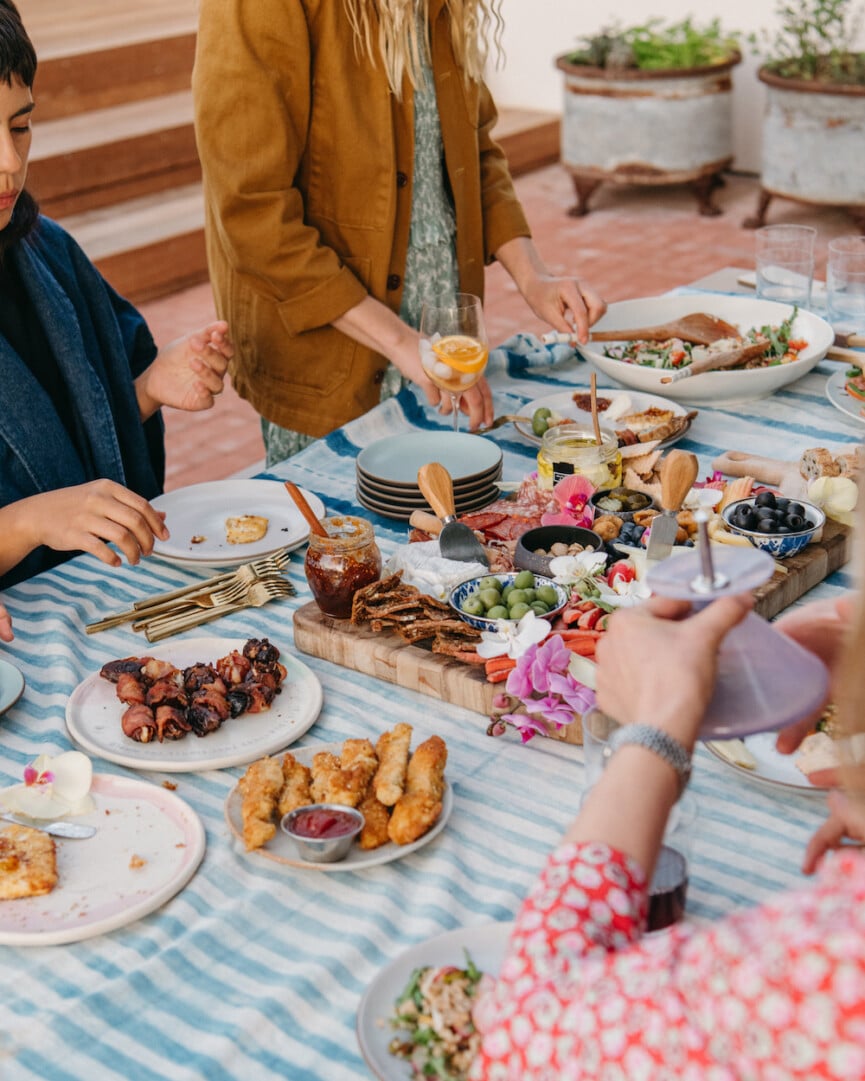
[
  {"x": 779, "y": 545},
  {"x": 481, "y": 623}
]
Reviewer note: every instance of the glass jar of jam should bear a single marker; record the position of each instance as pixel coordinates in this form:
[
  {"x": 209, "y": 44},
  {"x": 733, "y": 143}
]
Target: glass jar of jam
[
  {"x": 570, "y": 448},
  {"x": 340, "y": 564}
]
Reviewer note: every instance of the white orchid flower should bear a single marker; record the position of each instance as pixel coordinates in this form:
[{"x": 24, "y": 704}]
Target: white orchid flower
[
  {"x": 53, "y": 787},
  {"x": 623, "y": 594},
  {"x": 513, "y": 639},
  {"x": 567, "y": 570}
]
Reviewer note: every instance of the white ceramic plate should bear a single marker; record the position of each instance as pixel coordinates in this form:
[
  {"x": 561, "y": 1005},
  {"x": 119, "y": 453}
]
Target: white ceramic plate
[
  {"x": 397, "y": 458},
  {"x": 716, "y": 388},
  {"x": 773, "y": 768},
  {"x": 281, "y": 849},
  {"x": 412, "y": 491},
  {"x": 97, "y": 890},
  {"x": 93, "y": 715},
  {"x": 11, "y": 685},
  {"x": 839, "y": 397},
  {"x": 562, "y": 403},
  {"x": 201, "y": 509},
  {"x": 486, "y": 946}
]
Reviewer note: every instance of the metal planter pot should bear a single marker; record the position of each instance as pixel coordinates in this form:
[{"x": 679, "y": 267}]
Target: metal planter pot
[
  {"x": 647, "y": 127},
  {"x": 813, "y": 139}
]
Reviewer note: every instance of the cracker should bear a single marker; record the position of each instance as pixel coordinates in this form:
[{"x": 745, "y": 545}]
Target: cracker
[
  {"x": 245, "y": 528},
  {"x": 28, "y": 863}
]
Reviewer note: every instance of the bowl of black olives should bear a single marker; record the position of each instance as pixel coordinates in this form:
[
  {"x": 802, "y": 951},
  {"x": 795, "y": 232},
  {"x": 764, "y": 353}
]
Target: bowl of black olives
[{"x": 780, "y": 526}]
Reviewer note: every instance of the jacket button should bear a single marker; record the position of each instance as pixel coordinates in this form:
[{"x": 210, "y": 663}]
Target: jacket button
[
  {"x": 393, "y": 281},
  {"x": 379, "y": 376},
  {"x": 401, "y": 180}
]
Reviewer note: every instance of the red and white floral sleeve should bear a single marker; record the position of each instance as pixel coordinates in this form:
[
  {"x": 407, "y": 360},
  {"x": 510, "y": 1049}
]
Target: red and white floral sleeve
[{"x": 772, "y": 992}]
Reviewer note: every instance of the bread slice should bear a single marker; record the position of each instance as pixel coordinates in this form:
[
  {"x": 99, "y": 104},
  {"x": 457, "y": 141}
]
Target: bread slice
[
  {"x": 28, "y": 863},
  {"x": 245, "y": 528}
]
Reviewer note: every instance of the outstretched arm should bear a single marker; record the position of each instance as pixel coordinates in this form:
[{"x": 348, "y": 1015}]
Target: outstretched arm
[{"x": 6, "y": 634}]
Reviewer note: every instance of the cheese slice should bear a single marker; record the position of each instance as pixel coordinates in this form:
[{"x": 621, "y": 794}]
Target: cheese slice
[{"x": 245, "y": 528}]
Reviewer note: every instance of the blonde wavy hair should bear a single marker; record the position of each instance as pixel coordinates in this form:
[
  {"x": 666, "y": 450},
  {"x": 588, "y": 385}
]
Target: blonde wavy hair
[{"x": 389, "y": 28}]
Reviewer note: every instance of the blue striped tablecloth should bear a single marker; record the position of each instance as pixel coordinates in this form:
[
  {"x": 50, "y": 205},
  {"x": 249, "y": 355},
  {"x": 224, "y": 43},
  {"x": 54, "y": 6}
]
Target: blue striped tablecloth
[{"x": 256, "y": 970}]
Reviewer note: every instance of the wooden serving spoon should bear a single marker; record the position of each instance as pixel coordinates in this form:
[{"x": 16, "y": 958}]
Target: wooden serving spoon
[
  {"x": 699, "y": 328},
  {"x": 717, "y": 361},
  {"x": 306, "y": 510}
]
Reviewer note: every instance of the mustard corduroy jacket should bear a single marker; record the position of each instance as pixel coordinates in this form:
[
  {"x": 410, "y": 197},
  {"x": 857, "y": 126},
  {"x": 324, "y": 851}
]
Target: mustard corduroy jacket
[{"x": 307, "y": 159}]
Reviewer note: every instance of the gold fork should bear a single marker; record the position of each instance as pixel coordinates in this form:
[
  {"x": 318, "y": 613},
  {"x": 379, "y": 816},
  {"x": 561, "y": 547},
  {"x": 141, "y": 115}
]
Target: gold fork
[
  {"x": 507, "y": 418},
  {"x": 258, "y": 594},
  {"x": 228, "y": 594}
]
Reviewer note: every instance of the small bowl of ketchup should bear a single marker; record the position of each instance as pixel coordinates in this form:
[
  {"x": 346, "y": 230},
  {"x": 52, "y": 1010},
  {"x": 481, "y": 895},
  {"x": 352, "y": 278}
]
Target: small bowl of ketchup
[{"x": 323, "y": 832}]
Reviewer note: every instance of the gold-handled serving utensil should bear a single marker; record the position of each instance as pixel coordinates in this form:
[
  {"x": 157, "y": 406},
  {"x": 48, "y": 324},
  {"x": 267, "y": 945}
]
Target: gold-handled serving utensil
[{"x": 506, "y": 418}]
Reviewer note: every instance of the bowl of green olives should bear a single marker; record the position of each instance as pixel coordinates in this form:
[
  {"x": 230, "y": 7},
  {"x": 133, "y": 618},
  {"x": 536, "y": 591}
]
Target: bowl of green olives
[
  {"x": 537, "y": 548},
  {"x": 482, "y": 602},
  {"x": 778, "y": 525}
]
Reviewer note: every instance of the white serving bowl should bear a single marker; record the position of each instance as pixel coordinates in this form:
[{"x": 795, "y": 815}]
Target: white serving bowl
[{"x": 715, "y": 387}]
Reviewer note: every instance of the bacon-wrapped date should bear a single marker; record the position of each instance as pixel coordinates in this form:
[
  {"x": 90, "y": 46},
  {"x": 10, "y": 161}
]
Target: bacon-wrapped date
[
  {"x": 131, "y": 689},
  {"x": 200, "y": 676},
  {"x": 154, "y": 669},
  {"x": 261, "y": 651},
  {"x": 171, "y": 723},
  {"x": 260, "y": 697},
  {"x": 113, "y": 670},
  {"x": 238, "y": 701},
  {"x": 207, "y": 710},
  {"x": 166, "y": 692},
  {"x": 139, "y": 723},
  {"x": 233, "y": 668}
]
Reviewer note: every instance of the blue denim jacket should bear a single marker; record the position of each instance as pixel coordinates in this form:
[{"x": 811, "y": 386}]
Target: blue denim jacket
[{"x": 101, "y": 343}]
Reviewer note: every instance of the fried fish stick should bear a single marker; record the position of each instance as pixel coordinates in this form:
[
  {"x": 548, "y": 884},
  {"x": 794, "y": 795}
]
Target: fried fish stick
[
  {"x": 392, "y": 749},
  {"x": 296, "y": 785},
  {"x": 325, "y": 766},
  {"x": 260, "y": 787},
  {"x": 421, "y": 803},
  {"x": 359, "y": 762},
  {"x": 376, "y": 818}
]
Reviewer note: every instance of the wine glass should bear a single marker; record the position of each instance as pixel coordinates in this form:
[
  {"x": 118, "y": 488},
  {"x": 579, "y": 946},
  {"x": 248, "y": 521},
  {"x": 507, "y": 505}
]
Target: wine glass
[{"x": 453, "y": 346}]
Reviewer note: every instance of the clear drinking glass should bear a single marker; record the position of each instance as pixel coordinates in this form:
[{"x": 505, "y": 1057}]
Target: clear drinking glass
[
  {"x": 845, "y": 283},
  {"x": 454, "y": 348},
  {"x": 785, "y": 263}
]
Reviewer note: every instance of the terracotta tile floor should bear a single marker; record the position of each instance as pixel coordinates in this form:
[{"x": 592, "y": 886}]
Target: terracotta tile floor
[{"x": 635, "y": 242}]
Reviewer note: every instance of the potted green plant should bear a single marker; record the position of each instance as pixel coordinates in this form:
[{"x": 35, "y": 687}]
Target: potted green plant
[
  {"x": 650, "y": 104},
  {"x": 814, "y": 119}
]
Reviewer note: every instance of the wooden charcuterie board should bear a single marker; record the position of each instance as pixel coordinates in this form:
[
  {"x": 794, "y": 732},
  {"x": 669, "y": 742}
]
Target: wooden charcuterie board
[{"x": 387, "y": 657}]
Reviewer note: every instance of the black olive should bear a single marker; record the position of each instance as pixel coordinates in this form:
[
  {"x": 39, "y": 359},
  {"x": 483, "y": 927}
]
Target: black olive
[
  {"x": 766, "y": 513},
  {"x": 765, "y": 525},
  {"x": 765, "y": 499},
  {"x": 784, "y": 529},
  {"x": 796, "y": 508},
  {"x": 796, "y": 523},
  {"x": 781, "y": 502}
]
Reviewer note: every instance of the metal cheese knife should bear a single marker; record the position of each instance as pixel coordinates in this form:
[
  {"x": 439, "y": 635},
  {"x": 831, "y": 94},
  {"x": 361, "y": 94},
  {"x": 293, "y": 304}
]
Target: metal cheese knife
[
  {"x": 456, "y": 540},
  {"x": 678, "y": 473},
  {"x": 70, "y": 830}
]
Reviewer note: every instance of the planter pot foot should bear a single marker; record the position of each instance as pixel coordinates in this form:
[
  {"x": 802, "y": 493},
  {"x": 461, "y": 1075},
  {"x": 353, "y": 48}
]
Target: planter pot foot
[
  {"x": 584, "y": 189},
  {"x": 759, "y": 218},
  {"x": 704, "y": 189}
]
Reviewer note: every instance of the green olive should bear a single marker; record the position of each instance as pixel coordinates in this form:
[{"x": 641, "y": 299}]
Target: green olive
[
  {"x": 539, "y": 608},
  {"x": 499, "y": 612},
  {"x": 518, "y": 611},
  {"x": 548, "y": 595},
  {"x": 531, "y": 595},
  {"x": 490, "y": 598},
  {"x": 540, "y": 421},
  {"x": 490, "y": 583},
  {"x": 472, "y": 606},
  {"x": 506, "y": 592},
  {"x": 524, "y": 580},
  {"x": 516, "y": 596}
]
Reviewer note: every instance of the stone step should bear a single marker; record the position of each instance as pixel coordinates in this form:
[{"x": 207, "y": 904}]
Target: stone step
[{"x": 105, "y": 156}]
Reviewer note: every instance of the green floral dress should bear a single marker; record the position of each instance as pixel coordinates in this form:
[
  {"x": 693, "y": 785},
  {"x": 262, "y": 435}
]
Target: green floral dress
[{"x": 431, "y": 270}]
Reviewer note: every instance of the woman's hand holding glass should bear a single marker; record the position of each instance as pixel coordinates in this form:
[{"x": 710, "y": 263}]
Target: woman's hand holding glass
[{"x": 453, "y": 346}]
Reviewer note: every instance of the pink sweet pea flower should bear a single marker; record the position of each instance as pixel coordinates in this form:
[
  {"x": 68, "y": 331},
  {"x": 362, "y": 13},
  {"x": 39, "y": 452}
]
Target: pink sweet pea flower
[{"x": 572, "y": 494}]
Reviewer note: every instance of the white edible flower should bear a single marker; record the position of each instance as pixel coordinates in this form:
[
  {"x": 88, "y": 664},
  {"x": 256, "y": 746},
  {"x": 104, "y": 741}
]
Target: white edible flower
[
  {"x": 566, "y": 570},
  {"x": 52, "y": 788},
  {"x": 513, "y": 639},
  {"x": 623, "y": 594},
  {"x": 836, "y": 496}
]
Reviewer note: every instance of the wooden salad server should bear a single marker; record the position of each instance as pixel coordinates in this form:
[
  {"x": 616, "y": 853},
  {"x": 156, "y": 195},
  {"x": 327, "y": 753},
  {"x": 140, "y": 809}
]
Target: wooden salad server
[
  {"x": 678, "y": 472},
  {"x": 699, "y": 328},
  {"x": 714, "y": 362}
]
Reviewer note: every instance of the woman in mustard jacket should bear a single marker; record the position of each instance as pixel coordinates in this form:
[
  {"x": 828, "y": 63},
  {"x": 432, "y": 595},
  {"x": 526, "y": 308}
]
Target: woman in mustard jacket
[{"x": 349, "y": 172}]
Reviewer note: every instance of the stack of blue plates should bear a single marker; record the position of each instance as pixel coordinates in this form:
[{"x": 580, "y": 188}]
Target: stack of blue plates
[{"x": 387, "y": 471}]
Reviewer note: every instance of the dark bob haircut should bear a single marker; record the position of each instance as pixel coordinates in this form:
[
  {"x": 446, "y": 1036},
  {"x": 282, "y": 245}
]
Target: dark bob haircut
[{"x": 17, "y": 61}]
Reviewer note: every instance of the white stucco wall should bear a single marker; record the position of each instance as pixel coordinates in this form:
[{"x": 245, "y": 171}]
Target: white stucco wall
[{"x": 536, "y": 31}]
